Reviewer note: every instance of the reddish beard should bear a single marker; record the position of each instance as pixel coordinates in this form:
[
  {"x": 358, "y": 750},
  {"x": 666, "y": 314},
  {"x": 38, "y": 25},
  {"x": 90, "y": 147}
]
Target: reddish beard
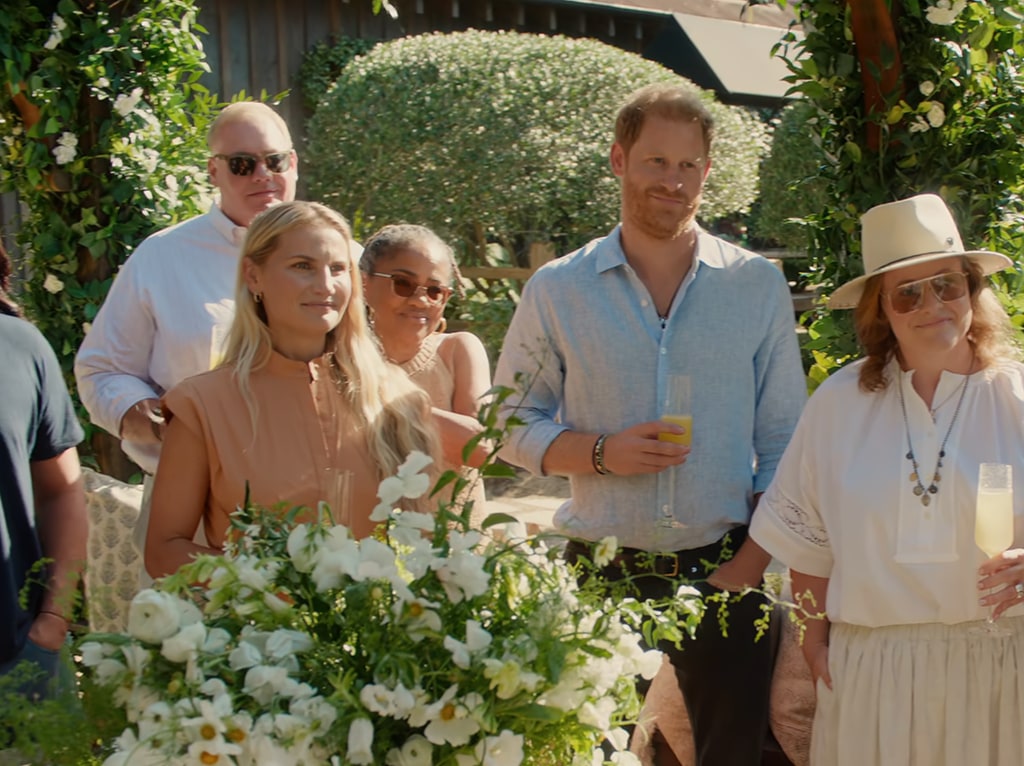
[{"x": 654, "y": 218}]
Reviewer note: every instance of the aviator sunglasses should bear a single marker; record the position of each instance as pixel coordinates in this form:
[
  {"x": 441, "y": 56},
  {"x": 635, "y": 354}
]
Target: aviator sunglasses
[
  {"x": 909, "y": 297},
  {"x": 243, "y": 164},
  {"x": 404, "y": 287}
]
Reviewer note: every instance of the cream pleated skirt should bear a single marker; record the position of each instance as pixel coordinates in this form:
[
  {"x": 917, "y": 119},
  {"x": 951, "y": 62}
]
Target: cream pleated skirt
[{"x": 922, "y": 695}]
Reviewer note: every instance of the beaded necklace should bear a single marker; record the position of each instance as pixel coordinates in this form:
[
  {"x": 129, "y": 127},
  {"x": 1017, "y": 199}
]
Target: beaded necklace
[{"x": 915, "y": 476}]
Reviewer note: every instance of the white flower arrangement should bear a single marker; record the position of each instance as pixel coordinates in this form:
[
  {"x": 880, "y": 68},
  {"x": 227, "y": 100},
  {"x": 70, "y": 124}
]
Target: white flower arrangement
[{"x": 426, "y": 645}]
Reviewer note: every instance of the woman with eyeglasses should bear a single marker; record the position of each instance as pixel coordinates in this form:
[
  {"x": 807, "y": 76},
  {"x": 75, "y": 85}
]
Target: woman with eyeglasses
[
  {"x": 407, "y": 273},
  {"x": 873, "y": 509},
  {"x": 303, "y": 408}
]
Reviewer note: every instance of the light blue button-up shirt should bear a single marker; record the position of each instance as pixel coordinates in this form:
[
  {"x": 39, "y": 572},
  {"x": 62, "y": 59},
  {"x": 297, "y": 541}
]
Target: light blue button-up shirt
[{"x": 591, "y": 355}]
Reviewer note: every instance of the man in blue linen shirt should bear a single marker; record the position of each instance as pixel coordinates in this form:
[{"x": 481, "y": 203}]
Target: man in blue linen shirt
[{"x": 597, "y": 335}]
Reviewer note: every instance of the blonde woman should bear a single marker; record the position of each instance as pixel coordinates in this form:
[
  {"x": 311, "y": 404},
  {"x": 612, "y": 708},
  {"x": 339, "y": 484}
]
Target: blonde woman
[
  {"x": 407, "y": 273},
  {"x": 302, "y": 409}
]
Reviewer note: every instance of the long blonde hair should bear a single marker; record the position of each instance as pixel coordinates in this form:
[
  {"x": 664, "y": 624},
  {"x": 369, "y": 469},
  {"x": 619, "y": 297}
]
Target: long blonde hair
[
  {"x": 394, "y": 412},
  {"x": 991, "y": 334}
]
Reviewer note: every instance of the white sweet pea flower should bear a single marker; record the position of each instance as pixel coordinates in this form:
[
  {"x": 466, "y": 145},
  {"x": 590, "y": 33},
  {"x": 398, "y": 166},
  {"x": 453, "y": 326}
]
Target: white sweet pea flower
[
  {"x": 383, "y": 700},
  {"x": 509, "y": 678},
  {"x": 153, "y": 616},
  {"x": 125, "y": 104},
  {"x": 360, "y": 742},
  {"x": 244, "y": 656},
  {"x": 315, "y": 709},
  {"x": 52, "y": 284},
  {"x": 504, "y": 750},
  {"x": 57, "y": 27},
  {"x": 462, "y": 575},
  {"x": 919, "y": 125},
  {"x": 605, "y": 551},
  {"x": 302, "y": 548},
  {"x": 129, "y": 751},
  {"x": 416, "y": 751},
  {"x": 407, "y": 482},
  {"x": 626, "y": 758},
  {"x": 944, "y": 12},
  {"x": 282, "y": 643},
  {"x": 597, "y": 713},
  {"x": 263, "y": 683},
  {"x": 94, "y": 652},
  {"x": 376, "y": 562},
  {"x": 185, "y": 644}
]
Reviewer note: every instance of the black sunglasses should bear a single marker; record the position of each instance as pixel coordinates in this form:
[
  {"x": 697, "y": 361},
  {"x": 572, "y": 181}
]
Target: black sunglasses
[
  {"x": 404, "y": 287},
  {"x": 243, "y": 164}
]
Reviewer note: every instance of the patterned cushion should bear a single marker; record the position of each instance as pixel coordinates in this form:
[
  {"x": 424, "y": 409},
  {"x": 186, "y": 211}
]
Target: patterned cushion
[{"x": 112, "y": 575}]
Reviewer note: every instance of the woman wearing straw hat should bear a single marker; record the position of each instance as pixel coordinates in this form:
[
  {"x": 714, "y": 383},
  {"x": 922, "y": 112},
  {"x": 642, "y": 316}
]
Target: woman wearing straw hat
[{"x": 873, "y": 509}]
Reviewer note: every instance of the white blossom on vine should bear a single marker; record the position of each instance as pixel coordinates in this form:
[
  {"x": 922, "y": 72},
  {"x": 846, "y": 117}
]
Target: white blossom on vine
[{"x": 944, "y": 12}]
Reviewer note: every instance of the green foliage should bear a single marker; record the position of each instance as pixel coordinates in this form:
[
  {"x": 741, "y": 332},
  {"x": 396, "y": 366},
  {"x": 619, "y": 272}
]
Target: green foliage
[
  {"x": 117, "y": 152},
  {"x": 952, "y": 126},
  {"x": 497, "y": 138},
  {"x": 790, "y": 186},
  {"x": 323, "y": 63}
]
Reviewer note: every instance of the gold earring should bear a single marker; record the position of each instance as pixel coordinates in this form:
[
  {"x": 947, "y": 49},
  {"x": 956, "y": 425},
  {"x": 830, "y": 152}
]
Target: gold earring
[{"x": 257, "y": 297}]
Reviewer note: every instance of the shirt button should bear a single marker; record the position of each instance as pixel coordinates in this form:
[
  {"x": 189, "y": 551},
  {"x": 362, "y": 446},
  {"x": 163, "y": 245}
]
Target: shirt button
[
  {"x": 664, "y": 351},
  {"x": 644, "y": 303}
]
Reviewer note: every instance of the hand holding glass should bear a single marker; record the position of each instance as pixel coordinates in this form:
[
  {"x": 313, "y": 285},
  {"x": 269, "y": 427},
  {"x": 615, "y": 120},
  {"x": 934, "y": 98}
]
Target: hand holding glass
[
  {"x": 676, "y": 409},
  {"x": 993, "y": 520}
]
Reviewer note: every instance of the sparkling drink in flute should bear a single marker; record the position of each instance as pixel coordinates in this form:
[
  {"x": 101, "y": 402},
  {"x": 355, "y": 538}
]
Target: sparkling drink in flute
[
  {"x": 675, "y": 408},
  {"x": 993, "y": 519}
]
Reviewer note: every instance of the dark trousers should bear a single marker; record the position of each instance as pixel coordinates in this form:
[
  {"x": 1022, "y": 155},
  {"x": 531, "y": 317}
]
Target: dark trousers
[{"x": 725, "y": 679}]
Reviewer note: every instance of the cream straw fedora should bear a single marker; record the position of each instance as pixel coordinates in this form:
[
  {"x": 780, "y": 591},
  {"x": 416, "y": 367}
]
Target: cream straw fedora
[{"x": 904, "y": 233}]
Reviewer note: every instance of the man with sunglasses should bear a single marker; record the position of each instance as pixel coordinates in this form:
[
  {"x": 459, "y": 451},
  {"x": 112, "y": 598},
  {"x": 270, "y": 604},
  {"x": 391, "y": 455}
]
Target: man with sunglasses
[
  {"x": 168, "y": 311},
  {"x": 596, "y": 337}
]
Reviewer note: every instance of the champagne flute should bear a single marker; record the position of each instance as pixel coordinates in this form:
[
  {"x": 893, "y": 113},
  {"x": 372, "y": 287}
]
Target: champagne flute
[
  {"x": 676, "y": 408},
  {"x": 993, "y": 520}
]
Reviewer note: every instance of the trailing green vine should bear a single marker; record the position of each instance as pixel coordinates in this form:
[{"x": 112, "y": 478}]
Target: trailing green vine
[
  {"x": 910, "y": 96},
  {"x": 104, "y": 126}
]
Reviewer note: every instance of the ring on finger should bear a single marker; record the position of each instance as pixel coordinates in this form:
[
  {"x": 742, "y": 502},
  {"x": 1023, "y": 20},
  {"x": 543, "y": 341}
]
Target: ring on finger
[{"x": 1019, "y": 587}]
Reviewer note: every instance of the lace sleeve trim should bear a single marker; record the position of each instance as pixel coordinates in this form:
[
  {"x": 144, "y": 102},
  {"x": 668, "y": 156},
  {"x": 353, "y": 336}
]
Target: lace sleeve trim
[{"x": 798, "y": 520}]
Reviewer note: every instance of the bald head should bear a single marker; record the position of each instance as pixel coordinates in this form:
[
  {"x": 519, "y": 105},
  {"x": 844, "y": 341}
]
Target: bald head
[
  {"x": 246, "y": 112},
  {"x": 252, "y": 162}
]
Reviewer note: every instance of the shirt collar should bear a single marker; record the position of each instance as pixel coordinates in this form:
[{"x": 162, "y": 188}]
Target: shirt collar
[
  {"x": 228, "y": 229},
  {"x": 609, "y": 253}
]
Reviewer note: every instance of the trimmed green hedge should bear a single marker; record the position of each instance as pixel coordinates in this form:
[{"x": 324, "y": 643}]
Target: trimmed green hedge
[{"x": 497, "y": 138}]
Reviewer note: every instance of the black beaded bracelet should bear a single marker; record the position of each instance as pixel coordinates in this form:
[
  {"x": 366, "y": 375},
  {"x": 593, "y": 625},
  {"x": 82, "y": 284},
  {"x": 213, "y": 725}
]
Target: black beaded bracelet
[{"x": 597, "y": 457}]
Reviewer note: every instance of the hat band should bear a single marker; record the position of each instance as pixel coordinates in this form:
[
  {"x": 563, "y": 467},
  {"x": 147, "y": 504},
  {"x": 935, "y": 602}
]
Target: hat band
[{"x": 905, "y": 258}]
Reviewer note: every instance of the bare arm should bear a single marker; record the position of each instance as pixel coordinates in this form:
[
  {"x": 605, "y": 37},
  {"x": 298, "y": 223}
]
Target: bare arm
[
  {"x": 63, "y": 526},
  {"x": 746, "y": 568},
  {"x": 632, "y": 451},
  {"x": 810, "y": 593},
  {"x": 471, "y": 373},
  {"x": 180, "y": 491}
]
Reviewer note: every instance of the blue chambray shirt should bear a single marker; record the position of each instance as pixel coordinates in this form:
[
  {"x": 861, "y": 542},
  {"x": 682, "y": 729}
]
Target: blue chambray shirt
[{"x": 593, "y": 356}]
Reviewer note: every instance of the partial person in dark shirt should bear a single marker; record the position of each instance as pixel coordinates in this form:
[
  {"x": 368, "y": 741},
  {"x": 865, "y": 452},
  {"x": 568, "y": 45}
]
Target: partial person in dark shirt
[{"x": 42, "y": 503}]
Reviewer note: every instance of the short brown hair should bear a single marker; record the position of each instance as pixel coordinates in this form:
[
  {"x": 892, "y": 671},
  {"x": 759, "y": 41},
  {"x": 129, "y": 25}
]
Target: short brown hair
[
  {"x": 662, "y": 100},
  {"x": 991, "y": 334}
]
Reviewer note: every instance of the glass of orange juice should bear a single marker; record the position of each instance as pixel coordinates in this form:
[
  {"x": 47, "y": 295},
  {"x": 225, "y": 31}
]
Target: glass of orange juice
[{"x": 677, "y": 409}]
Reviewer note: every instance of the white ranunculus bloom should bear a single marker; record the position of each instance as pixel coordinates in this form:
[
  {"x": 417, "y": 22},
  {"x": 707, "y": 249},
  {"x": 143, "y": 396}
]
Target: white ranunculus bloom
[
  {"x": 125, "y": 104},
  {"x": 153, "y": 616},
  {"x": 926, "y": 88},
  {"x": 64, "y": 154},
  {"x": 936, "y": 115},
  {"x": 360, "y": 742},
  {"x": 945, "y": 12},
  {"x": 52, "y": 284}
]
